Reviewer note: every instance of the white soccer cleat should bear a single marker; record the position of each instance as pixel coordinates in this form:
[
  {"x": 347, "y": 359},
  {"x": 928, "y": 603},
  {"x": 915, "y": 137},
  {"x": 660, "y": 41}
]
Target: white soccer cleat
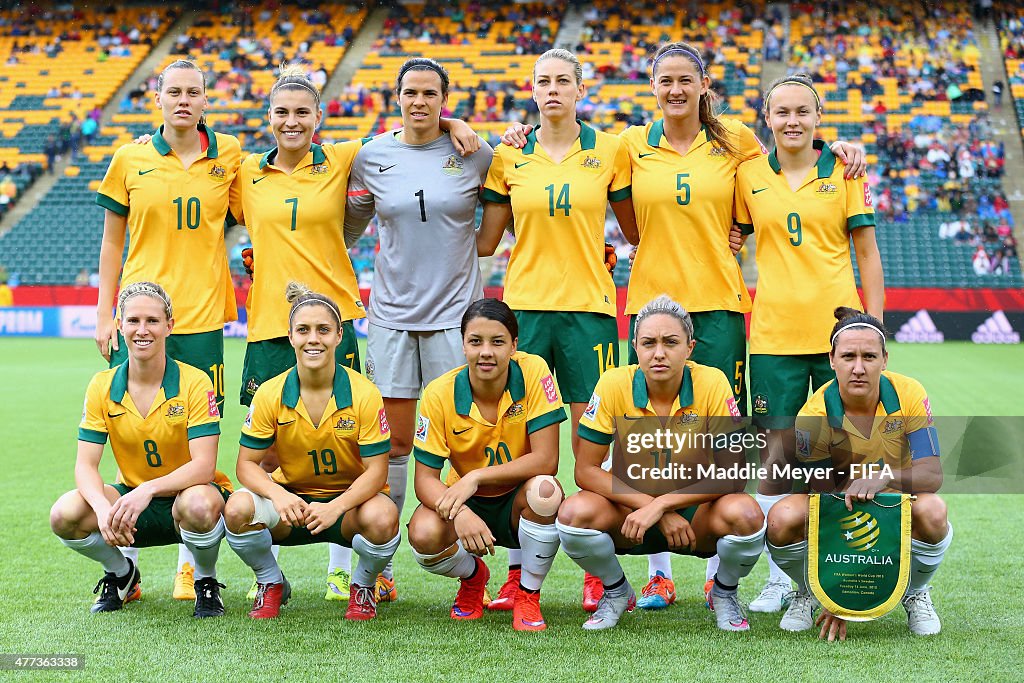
[
  {"x": 800, "y": 615},
  {"x": 921, "y": 616},
  {"x": 610, "y": 610},
  {"x": 728, "y": 612},
  {"x": 774, "y": 596}
]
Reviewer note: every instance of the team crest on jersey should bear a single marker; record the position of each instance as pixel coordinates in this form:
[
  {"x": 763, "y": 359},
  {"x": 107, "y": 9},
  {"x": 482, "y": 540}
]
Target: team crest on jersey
[
  {"x": 251, "y": 386},
  {"x": 319, "y": 169},
  {"x": 591, "y": 162},
  {"x": 689, "y": 417},
  {"x": 369, "y": 369},
  {"x": 893, "y": 426},
  {"x": 550, "y": 393},
  {"x": 175, "y": 412},
  {"x": 422, "y": 428},
  {"x": 516, "y": 413},
  {"x": 827, "y": 188},
  {"x": 591, "y": 412},
  {"x": 716, "y": 150},
  {"x": 803, "y": 443},
  {"x": 382, "y": 418},
  {"x": 452, "y": 165},
  {"x": 345, "y": 427},
  {"x": 218, "y": 172},
  {"x": 760, "y": 405}
]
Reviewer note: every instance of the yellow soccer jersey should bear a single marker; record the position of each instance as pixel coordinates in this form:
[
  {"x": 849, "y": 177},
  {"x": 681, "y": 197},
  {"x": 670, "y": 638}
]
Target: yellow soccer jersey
[
  {"x": 323, "y": 459},
  {"x": 557, "y": 263},
  {"x": 450, "y": 426},
  {"x": 176, "y": 225},
  {"x": 684, "y": 209},
  {"x": 825, "y": 437},
  {"x": 150, "y": 446},
  {"x": 803, "y": 250},
  {"x": 295, "y": 222},
  {"x": 705, "y": 405}
]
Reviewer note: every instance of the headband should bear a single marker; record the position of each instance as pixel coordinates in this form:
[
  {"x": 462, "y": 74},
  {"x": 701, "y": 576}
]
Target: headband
[
  {"x": 868, "y": 325},
  {"x": 144, "y": 290},
  {"x": 817, "y": 100},
  {"x": 314, "y": 300},
  {"x": 678, "y": 51},
  {"x": 300, "y": 84}
]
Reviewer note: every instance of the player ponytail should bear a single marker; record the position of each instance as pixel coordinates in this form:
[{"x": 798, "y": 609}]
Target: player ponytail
[
  {"x": 708, "y": 108},
  {"x": 664, "y": 305},
  {"x": 150, "y": 289},
  {"x": 299, "y": 295},
  {"x": 491, "y": 309},
  {"x": 293, "y": 77},
  {"x": 850, "y": 317}
]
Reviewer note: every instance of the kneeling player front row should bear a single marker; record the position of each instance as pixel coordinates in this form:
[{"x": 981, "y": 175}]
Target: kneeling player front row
[{"x": 495, "y": 421}]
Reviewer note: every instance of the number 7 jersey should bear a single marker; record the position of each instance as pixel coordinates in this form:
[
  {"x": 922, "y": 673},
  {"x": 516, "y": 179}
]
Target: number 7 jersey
[{"x": 295, "y": 222}]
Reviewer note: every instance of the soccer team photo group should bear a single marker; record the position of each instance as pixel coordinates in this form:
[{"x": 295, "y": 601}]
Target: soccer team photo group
[{"x": 423, "y": 341}]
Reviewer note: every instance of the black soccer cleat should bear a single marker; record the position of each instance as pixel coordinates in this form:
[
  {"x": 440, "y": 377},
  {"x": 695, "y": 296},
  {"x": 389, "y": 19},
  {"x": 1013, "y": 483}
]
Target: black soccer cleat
[
  {"x": 208, "y": 602},
  {"x": 114, "y": 592}
]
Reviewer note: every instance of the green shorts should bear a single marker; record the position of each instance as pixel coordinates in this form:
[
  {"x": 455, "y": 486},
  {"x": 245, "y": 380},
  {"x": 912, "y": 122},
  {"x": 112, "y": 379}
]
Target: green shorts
[
  {"x": 496, "y": 511},
  {"x": 301, "y": 536},
  {"x": 155, "y": 526},
  {"x": 721, "y": 343},
  {"x": 269, "y": 358},
  {"x": 203, "y": 350},
  {"x": 655, "y": 542},
  {"x": 577, "y": 346},
  {"x": 778, "y": 385}
]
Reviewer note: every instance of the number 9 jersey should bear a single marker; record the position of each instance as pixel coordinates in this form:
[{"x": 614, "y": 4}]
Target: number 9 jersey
[
  {"x": 450, "y": 426},
  {"x": 318, "y": 459}
]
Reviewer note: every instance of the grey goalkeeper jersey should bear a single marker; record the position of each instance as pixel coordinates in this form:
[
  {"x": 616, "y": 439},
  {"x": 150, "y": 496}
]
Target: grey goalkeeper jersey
[{"x": 425, "y": 196}]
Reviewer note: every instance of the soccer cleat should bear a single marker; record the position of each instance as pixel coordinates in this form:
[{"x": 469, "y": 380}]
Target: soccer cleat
[
  {"x": 526, "y": 614},
  {"x": 921, "y": 616},
  {"x": 659, "y": 593},
  {"x": 487, "y": 596},
  {"x": 610, "y": 609},
  {"x": 208, "y": 602},
  {"x": 386, "y": 589},
  {"x": 185, "y": 583},
  {"x": 593, "y": 589},
  {"x": 469, "y": 600},
  {"x": 708, "y": 585},
  {"x": 338, "y": 583},
  {"x": 135, "y": 594},
  {"x": 507, "y": 595},
  {"x": 270, "y": 597},
  {"x": 728, "y": 612},
  {"x": 799, "y": 615},
  {"x": 251, "y": 595},
  {"x": 361, "y": 604},
  {"x": 114, "y": 592},
  {"x": 774, "y": 596}
]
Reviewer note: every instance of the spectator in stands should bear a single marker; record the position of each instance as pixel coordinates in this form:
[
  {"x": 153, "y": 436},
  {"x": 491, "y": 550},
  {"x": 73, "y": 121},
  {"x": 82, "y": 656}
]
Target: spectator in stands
[
  {"x": 997, "y": 94},
  {"x": 980, "y": 261},
  {"x": 6, "y": 295},
  {"x": 50, "y": 150},
  {"x": 82, "y": 279}
]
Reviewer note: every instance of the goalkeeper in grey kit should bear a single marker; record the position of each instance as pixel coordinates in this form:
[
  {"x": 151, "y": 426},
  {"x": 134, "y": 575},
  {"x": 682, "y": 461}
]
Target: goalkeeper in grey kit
[{"x": 426, "y": 274}]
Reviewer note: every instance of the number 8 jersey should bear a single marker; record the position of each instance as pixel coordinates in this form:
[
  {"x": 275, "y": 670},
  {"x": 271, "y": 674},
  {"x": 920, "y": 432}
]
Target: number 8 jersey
[{"x": 320, "y": 457}]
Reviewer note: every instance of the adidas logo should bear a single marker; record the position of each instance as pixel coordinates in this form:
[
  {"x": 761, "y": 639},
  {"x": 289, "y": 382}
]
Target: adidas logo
[
  {"x": 920, "y": 329},
  {"x": 995, "y": 330}
]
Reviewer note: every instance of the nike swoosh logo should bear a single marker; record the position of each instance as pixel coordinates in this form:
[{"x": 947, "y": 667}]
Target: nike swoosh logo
[
  {"x": 145, "y": 172},
  {"x": 256, "y": 180},
  {"x": 381, "y": 169},
  {"x": 647, "y": 154},
  {"x": 109, "y": 414},
  {"x": 532, "y": 623},
  {"x": 463, "y": 431},
  {"x": 284, "y": 423},
  {"x": 756, "y": 191},
  {"x": 633, "y": 418},
  {"x": 122, "y": 593},
  {"x": 546, "y": 557},
  {"x": 523, "y": 164}
]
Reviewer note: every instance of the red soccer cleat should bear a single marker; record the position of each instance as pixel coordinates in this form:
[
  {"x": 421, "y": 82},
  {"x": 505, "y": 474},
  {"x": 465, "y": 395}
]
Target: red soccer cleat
[
  {"x": 270, "y": 597},
  {"x": 526, "y": 614},
  {"x": 507, "y": 595},
  {"x": 593, "y": 590},
  {"x": 469, "y": 601},
  {"x": 361, "y": 605}
]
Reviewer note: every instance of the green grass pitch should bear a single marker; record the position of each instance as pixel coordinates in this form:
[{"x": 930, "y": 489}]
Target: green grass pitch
[{"x": 45, "y": 591}]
